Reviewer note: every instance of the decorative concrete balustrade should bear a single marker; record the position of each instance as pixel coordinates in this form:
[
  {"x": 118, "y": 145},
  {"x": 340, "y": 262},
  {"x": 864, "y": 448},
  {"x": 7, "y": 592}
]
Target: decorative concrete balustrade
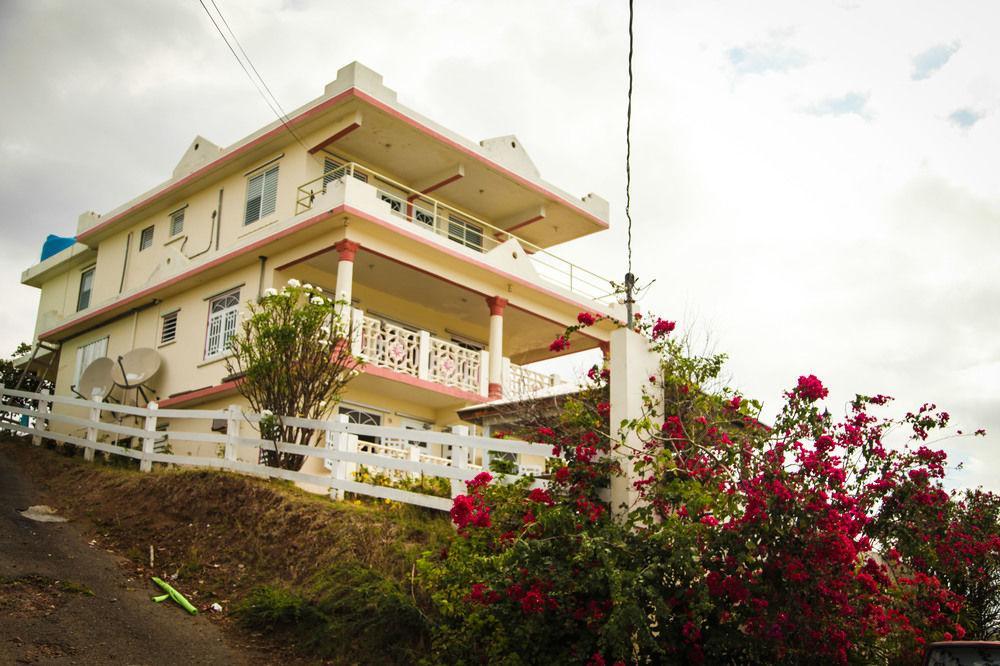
[{"x": 419, "y": 354}]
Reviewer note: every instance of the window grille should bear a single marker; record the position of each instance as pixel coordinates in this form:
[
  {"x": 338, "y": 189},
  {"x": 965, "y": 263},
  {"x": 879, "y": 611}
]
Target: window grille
[{"x": 222, "y": 315}]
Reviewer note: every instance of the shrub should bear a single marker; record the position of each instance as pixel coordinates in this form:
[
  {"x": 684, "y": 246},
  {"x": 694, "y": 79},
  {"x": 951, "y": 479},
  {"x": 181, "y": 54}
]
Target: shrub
[{"x": 748, "y": 542}]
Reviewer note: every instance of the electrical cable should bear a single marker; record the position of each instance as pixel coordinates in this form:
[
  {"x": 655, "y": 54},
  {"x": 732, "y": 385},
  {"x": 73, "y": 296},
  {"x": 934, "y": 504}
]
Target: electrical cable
[
  {"x": 628, "y": 142},
  {"x": 280, "y": 116}
]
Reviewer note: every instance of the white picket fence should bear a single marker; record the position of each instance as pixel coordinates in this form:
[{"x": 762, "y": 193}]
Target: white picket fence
[{"x": 341, "y": 455}]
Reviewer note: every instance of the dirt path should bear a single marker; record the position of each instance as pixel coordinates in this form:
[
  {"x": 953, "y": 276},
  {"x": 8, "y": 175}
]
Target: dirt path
[{"x": 63, "y": 601}]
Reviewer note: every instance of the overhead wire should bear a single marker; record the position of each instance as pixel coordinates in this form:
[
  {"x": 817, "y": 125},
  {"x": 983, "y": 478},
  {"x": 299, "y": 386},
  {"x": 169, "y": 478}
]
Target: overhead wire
[
  {"x": 628, "y": 141},
  {"x": 271, "y": 102}
]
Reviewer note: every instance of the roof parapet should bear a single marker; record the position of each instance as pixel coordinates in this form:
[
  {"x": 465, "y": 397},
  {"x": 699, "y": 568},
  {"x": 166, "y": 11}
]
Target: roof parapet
[
  {"x": 87, "y": 220},
  {"x": 201, "y": 151},
  {"x": 356, "y": 75},
  {"x": 508, "y": 151}
]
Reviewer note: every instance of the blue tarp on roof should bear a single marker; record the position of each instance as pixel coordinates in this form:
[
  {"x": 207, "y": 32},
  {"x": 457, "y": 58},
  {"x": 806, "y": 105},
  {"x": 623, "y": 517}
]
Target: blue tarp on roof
[{"x": 56, "y": 244}]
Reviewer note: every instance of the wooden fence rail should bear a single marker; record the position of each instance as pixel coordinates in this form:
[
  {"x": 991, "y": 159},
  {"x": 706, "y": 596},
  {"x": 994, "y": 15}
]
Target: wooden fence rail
[{"x": 340, "y": 455}]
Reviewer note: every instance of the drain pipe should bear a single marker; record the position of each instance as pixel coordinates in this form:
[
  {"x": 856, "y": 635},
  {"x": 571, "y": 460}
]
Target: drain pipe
[
  {"x": 260, "y": 278},
  {"x": 218, "y": 219},
  {"x": 128, "y": 245}
]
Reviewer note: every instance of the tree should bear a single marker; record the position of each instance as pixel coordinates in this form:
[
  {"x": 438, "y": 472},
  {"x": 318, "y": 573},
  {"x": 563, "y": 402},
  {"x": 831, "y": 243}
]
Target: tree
[
  {"x": 9, "y": 374},
  {"x": 292, "y": 357}
]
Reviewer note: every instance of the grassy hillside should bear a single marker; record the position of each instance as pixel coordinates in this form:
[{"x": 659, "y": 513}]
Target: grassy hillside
[{"x": 334, "y": 580}]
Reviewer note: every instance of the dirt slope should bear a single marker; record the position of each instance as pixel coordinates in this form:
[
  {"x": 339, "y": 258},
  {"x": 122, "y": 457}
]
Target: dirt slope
[{"x": 216, "y": 536}]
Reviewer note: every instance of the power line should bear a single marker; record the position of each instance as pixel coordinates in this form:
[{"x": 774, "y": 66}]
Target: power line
[
  {"x": 629, "y": 277},
  {"x": 281, "y": 116},
  {"x": 628, "y": 141}
]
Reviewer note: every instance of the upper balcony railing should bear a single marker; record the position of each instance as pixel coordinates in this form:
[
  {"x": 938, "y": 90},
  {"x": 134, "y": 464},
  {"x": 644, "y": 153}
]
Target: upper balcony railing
[{"x": 460, "y": 227}]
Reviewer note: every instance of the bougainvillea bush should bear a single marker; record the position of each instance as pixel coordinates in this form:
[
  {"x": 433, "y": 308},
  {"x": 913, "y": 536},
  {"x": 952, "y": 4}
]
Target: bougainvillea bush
[{"x": 805, "y": 539}]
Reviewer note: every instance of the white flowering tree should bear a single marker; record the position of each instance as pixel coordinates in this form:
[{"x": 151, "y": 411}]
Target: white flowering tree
[{"x": 292, "y": 357}]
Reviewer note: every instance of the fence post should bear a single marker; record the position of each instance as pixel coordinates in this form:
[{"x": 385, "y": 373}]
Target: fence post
[
  {"x": 149, "y": 441},
  {"x": 459, "y": 459},
  {"x": 41, "y": 422},
  {"x": 95, "y": 418},
  {"x": 232, "y": 431},
  {"x": 337, "y": 441},
  {"x": 632, "y": 362},
  {"x": 414, "y": 456},
  {"x": 424, "y": 356}
]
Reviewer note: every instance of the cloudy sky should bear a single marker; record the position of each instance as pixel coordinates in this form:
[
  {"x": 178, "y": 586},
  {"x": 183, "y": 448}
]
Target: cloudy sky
[{"x": 813, "y": 183}]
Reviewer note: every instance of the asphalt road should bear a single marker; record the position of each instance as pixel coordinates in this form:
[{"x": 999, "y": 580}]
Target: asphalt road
[{"x": 64, "y": 601}]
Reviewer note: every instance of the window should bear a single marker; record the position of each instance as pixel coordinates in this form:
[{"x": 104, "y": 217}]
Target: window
[
  {"x": 466, "y": 233},
  {"x": 334, "y": 171},
  {"x": 395, "y": 203},
  {"x": 423, "y": 216},
  {"x": 177, "y": 222},
  {"x": 262, "y": 195},
  {"x": 363, "y": 417},
  {"x": 222, "y": 314},
  {"x": 86, "y": 288},
  {"x": 87, "y": 354},
  {"x": 465, "y": 343},
  {"x": 168, "y": 327},
  {"x": 146, "y": 238}
]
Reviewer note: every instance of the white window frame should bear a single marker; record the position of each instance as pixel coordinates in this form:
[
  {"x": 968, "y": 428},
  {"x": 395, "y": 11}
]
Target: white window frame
[
  {"x": 466, "y": 227},
  {"x": 266, "y": 199},
  {"x": 87, "y": 354},
  {"x": 176, "y": 222},
  {"x": 163, "y": 327},
  {"x": 363, "y": 416},
  {"x": 223, "y": 313},
  {"x": 92, "y": 271}
]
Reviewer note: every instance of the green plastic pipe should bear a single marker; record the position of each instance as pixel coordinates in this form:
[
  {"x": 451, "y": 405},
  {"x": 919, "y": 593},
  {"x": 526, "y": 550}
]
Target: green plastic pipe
[{"x": 171, "y": 593}]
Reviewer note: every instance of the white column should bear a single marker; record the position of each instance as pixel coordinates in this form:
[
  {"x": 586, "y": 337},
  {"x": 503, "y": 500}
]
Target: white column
[
  {"x": 345, "y": 269},
  {"x": 497, "y": 305},
  {"x": 632, "y": 363}
]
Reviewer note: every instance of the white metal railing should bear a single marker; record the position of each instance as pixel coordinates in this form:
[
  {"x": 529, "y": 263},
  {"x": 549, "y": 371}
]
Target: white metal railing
[
  {"x": 132, "y": 432},
  {"x": 459, "y": 226}
]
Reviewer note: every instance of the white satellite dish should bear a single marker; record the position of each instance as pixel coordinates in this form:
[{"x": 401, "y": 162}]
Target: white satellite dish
[
  {"x": 96, "y": 382},
  {"x": 136, "y": 367}
]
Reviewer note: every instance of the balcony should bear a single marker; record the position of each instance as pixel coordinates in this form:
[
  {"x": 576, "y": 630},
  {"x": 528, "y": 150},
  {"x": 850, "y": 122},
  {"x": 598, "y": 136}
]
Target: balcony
[
  {"x": 415, "y": 207},
  {"x": 419, "y": 354}
]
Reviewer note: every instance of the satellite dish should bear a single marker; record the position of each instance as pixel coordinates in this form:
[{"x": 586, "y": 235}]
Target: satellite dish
[
  {"x": 96, "y": 382},
  {"x": 136, "y": 367}
]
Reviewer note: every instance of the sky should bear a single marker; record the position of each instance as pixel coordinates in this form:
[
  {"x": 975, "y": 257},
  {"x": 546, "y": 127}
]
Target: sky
[{"x": 815, "y": 185}]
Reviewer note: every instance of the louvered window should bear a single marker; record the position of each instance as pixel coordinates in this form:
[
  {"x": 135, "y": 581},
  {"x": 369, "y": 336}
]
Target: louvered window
[
  {"x": 222, "y": 315},
  {"x": 333, "y": 170},
  {"x": 87, "y": 354},
  {"x": 146, "y": 238},
  {"x": 168, "y": 328},
  {"x": 262, "y": 195},
  {"x": 177, "y": 222},
  {"x": 86, "y": 288},
  {"x": 466, "y": 233}
]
